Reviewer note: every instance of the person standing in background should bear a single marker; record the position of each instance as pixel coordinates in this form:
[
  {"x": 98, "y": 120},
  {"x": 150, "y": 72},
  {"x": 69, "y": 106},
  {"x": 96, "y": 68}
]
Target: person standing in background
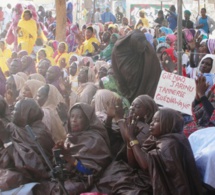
[
  {"x": 143, "y": 21},
  {"x": 97, "y": 16},
  {"x": 172, "y": 17},
  {"x": 7, "y": 15},
  {"x": 1, "y": 19},
  {"x": 119, "y": 16},
  {"x": 187, "y": 23},
  {"x": 41, "y": 13},
  {"x": 160, "y": 19},
  {"x": 205, "y": 22},
  {"x": 108, "y": 17},
  {"x": 69, "y": 10}
]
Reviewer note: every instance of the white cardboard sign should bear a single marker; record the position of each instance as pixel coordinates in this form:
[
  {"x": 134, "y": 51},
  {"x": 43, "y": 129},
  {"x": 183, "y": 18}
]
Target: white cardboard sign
[{"x": 176, "y": 92}]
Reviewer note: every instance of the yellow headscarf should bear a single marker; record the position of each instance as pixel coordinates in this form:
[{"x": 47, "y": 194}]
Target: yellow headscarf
[
  {"x": 64, "y": 55},
  {"x": 49, "y": 53},
  {"x": 27, "y": 28}
]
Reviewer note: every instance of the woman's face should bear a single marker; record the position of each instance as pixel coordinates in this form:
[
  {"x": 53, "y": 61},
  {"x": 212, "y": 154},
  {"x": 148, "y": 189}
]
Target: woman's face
[
  {"x": 73, "y": 69},
  {"x": 27, "y": 92},
  {"x": 51, "y": 74},
  {"x": 14, "y": 67},
  {"x": 10, "y": 84},
  {"x": 106, "y": 37},
  {"x": 72, "y": 59},
  {"x": 102, "y": 72},
  {"x": 206, "y": 65},
  {"x": 160, "y": 52},
  {"x": 42, "y": 68},
  {"x": 82, "y": 77},
  {"x": 164, "y": 57},
  {"x": 168, "y": 41},
  {"x": 41, "y": 55},
  {"x": 137, "y": 109},
  {"x": 78, "y": 120},
  {"x": 88, "y": 34},
  {"x": 27, "y": 16},
  {"x": 203, "y": 48},
  {"x": 61, "y": 48},
  {"x": 24, "y": 61},
  {"x": 42, "y": 96},
  {"x": 142, "y": 15},
  {"x": 155, "y": 126}
]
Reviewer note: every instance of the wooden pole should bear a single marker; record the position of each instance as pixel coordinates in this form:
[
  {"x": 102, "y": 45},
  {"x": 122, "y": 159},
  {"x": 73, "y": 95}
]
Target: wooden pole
[
  {"x": 198, "y": 7},
  {"x": 61, "y": 19},
  {"x": 179, "y": 37}
]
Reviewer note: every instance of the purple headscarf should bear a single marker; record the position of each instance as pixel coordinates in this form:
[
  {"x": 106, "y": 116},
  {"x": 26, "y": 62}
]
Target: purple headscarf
[
  {"x": 188, "y": 35},
  {"x": 211, "y": 45},
  {"x": 70, "y": 40},
  {"x": 149, "y": 38}
]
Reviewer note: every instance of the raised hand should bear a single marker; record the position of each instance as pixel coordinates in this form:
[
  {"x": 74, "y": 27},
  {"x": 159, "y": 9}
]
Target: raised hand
[{"x": 201, "y": 86}]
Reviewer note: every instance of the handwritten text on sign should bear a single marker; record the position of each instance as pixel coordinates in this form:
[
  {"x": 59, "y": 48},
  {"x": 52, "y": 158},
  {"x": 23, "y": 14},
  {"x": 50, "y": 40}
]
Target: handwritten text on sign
[{"x": 176, "y": 92}]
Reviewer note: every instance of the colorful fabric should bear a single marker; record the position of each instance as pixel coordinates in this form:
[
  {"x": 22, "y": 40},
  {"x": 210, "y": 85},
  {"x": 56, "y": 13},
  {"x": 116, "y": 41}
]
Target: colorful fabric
[
  {"x": 166, "y": 30},
  {"x": 27, "y": 35},
  {"x": 172, "y": 39},
  {"x": 4, "y": 56},
  {"x": 187, "y": 12},
  {"x": 188, "y": 35},
  {"x": 149, "y": 38},
  {"x": 106, "y": 53},
  {"x": 211, "y": 45},
  {"x": 87, "y": 46},
  {"x": 71, "y": 39},
  {"x": 161, "y": 45},
  {"x": 161, "y": 39},
  {"x": 61, "y": 56},
  {"x": 170, "y": 53}
]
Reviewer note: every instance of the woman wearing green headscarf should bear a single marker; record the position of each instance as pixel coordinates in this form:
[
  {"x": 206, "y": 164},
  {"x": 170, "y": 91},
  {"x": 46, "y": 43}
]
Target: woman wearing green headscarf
[
  {"x": 106, "y": 53},
  {"x": 187, "y": 23}
]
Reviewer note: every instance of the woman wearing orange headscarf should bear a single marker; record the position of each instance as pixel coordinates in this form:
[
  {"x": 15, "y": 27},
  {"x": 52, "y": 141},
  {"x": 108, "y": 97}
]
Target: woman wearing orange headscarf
[{"x": 27, "y": 32}]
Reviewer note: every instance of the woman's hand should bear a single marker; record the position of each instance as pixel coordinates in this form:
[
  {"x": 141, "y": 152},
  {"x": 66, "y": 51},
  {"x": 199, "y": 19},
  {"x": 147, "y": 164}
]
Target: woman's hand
[
  {"x": 115, "y": 109},
  {"x": 129, "y": 129},
  {"x": 62, "y": 63},
  {"x": 10, "y": 97},
  {"x": 201, "y": 86},
  {"x": 192, "y": 45},
  {"x": 96, "y": 47},
  {"x": 65, "y": 152}
]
